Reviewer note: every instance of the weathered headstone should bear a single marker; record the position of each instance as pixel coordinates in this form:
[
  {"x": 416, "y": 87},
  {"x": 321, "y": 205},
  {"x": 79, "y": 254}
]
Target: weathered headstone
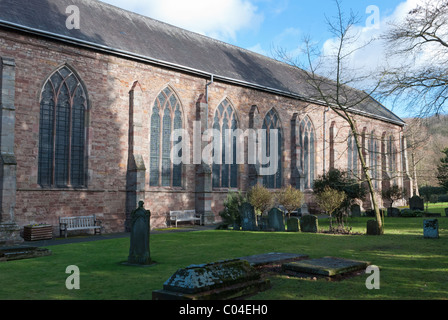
[
  {"x": 248, "y": 222},
  {"x": 221, "y": 280},
  {"x": 276, "y": 219},
  {"x": 304, "y": 210},
  {"x": 431, "y": 229},
  {"x": 393, "y": 212},
  {"x": 139, "y": 253},
  {"x": 292, "y": 224},
  {"x": 416, "y": 203},
  {"x": 372, "y": 228},
  {"x": 446, "y": 212},
  {"x": 309, "y": 223},
  {"x": 355, "y": 210}
]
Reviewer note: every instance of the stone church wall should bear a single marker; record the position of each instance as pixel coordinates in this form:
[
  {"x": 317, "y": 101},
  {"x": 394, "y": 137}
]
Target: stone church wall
[{"x": 108, "y": 80}]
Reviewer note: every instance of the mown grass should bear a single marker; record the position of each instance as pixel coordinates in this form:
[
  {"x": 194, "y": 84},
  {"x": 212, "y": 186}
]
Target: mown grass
[{"x": 411, "y": 267}]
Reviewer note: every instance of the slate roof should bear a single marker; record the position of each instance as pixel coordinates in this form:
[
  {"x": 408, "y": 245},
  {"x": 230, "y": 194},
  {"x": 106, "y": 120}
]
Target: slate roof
[{"x": 105, "y": 27}]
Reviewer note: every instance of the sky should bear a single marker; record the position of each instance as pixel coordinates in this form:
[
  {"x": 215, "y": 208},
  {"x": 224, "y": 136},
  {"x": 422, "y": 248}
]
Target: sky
[{"x": 266, "y": 26}]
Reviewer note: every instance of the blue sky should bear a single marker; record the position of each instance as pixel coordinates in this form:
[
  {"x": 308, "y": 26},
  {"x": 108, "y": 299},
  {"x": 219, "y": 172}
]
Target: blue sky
[{"x": 264, "y": 26}]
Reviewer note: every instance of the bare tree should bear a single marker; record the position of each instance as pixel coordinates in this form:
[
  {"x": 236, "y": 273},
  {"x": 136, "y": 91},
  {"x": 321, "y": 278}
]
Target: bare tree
[
  {"x": 331, "y": 80},
  {"x": 423, "y": 85}
]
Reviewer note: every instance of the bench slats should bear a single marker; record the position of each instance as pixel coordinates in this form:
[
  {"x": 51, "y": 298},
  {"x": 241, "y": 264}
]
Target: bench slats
[
  {"x": 79, "y": 223},
  {"x": 185, "y": 215}
]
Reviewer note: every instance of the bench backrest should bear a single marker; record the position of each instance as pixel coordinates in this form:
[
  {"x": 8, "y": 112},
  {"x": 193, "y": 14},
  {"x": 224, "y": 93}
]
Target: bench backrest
[
  {"x": 183, "y": 214},
  {"x": 78, "y": 222}
]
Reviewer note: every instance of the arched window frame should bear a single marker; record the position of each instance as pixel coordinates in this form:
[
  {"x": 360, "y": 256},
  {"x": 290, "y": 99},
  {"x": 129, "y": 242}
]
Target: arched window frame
[
  {"x": 272, "y": 122},
  {"x": 307, "y": 154},
  {"x": 353, "y": 163},
  {"x": 64, "y": 107},
  {"x": 225, "y": 175},
  {"x": 166, "y": 116},
  {"x": 373, "y": 159}
]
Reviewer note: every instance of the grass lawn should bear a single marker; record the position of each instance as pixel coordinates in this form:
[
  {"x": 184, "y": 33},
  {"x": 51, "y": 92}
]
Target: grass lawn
[{"x": 411, "y": 267}]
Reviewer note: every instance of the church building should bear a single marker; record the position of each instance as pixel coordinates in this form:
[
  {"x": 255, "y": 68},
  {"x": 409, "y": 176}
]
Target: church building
[{"x": 88, "y": 112}]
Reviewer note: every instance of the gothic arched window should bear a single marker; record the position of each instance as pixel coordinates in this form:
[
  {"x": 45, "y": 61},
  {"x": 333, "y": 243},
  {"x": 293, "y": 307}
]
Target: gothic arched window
[
  {"x": 373, "y": 159},
  {"x": 62, "y": 137},
  {"x": 166, "y": 116},
  {"x": 307, "y": 153},
  {"x": 392, "y": 155},
  {"x": 272, "y": 122},
  {"x": 225, "y": 174},
  {"x": 352, "y": 155}
]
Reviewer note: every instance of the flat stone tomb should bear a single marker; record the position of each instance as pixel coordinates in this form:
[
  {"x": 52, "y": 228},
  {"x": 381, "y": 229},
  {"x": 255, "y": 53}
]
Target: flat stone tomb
[
  {"x": 273, "y": 257},
  {"x": 221, "y": 280},
  {"x": 327, "y": 266},
  {"x": 19, "y": 252}
]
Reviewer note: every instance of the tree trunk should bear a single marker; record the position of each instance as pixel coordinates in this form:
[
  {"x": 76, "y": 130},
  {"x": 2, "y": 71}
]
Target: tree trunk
[{"x": 365, "y": 170}]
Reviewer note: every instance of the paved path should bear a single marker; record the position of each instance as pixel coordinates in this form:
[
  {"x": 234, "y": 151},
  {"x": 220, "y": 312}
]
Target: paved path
[{"x": 78, "y": 239}]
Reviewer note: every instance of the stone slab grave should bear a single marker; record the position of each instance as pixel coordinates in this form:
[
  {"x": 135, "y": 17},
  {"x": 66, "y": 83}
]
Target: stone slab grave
[
  {"x": 273, "y": 257},
  {"x": 220, "y": 280},
  {"x": 327, "y": 266},
  {"x": 18, "y": 252},
  {"x": 276, "y": 220}
]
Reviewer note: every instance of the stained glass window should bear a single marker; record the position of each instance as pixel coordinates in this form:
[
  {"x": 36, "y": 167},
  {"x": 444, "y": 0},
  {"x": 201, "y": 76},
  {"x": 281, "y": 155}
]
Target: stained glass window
[
  {"x": 63, "y": 109},
  {"x": 225, "y": 174},
  {"x": 166, "y": 116},
  {"x": 352, "y": 155},
  {"x": 307, "y": 153},
  {"x": 272, "y": 122}
]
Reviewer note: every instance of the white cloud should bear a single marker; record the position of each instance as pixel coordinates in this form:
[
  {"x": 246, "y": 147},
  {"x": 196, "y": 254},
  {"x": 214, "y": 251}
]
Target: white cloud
[{"x": 215, "y": 18}]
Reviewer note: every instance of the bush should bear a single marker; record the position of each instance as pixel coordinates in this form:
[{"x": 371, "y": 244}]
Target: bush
[
  {"x": 231, "y": 213},
  {"x": 260, "y": 198},
  {"x": 290, "y": 198},
  {"x": 411, "y": 213}
]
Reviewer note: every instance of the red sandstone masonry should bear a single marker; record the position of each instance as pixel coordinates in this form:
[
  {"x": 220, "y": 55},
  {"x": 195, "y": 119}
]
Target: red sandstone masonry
[{"x": 108, "y": 80}]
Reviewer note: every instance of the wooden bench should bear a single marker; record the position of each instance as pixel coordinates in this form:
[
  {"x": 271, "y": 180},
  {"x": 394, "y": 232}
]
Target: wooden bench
[
  {"x": 79, "y": 223},
  {"x": 185, "y": 215}
]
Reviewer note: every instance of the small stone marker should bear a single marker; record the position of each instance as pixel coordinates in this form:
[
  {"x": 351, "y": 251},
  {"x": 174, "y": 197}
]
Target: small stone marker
[
  {"x": 221, "y": 280},
  {"x": 355, "y": 210},
  {"x": 139, "y": 249},
  {"x": 309, "y": 223},
  {"x": 292, "y": 224},
  {"x": 276, "y": 220},
  {"x": 416, "y": 203},
  {"x": 248, "y": 217},
  {"x": 446, "y": 212},
  {"x": 431, "y": 229},
  {"x": 327, "y": 266}
]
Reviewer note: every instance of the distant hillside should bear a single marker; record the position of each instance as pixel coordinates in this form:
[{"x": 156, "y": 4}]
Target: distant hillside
[{"x": 426, "y": 138}]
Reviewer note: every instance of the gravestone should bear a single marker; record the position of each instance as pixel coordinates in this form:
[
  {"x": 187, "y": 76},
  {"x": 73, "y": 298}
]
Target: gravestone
[
  {"x": 372, "y": 228},
  {"x": 139, "y": 253},
  {"x": 276, "y": 220},
  {"x": 304, "y": 210},
  {"x": 446, "y": 212},
  {"x": 431, "y": 229},
  {"x": 292, "y": 224},
  {"x": 416, "y": 203},
  {"x": 248, "y": 222},
  {"x": 220, "y": 280},
  {"x": 309, "y": 223},
  {"x": 355, "y": 210},
  {"x": 393, "y": 212}
]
